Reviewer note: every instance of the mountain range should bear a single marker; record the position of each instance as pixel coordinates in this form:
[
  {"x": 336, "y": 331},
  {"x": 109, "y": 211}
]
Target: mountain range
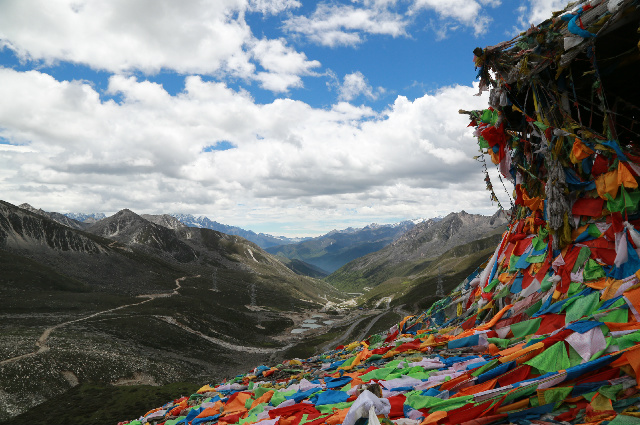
[
  {"x": 313, "y": 256},
  {"x": 333, "y": 250},
  {"x": 112, "y": 301},
  {"x": 408, "y": 269},
  {"x": 86, "y": 217},
  {"x": 261, "y": 239}
]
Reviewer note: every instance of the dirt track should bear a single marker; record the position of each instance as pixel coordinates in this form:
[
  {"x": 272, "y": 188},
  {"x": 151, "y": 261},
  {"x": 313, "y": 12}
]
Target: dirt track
[{"x": 42, "y": 345}]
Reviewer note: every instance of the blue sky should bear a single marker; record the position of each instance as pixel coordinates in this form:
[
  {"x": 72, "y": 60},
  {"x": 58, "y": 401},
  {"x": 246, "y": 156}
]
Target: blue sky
[{"x": 279, "y": 116}]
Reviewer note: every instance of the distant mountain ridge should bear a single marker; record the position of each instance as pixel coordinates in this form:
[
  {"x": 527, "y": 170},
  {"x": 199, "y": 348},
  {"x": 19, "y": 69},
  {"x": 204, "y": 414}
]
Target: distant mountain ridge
[
  {"x": 331, "y": 251},
  {"x": 263, "y": 240},
  {"x": 415, "y": 249},
  {"x": 86, "y": 217},
  {"x": 125, "y": 239},
  {"x": 164, "y": 220},
  {"x": 57, "y": 217}
]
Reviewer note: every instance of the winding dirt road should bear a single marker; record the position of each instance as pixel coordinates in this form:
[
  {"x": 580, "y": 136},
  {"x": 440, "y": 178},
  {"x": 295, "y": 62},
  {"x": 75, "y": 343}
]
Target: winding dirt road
[
  {"x": 225, "y": 344},
  {"x": 42, "y": 345}
]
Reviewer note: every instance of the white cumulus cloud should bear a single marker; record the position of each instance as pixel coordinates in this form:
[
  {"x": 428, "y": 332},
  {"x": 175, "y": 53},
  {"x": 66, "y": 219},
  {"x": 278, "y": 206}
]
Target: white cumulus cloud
[
  {"x": 283, "y": 65},
  {"x": 533, "y": 12},
  {"x": 273, "y": 7},
  {"x": 346, "y": 25},
  {"x": 469, "y": 13},
  {"x": 120, "y": 36},
  {"x": 335, "y": 24},
  {"x": 355, "y": 85},
  {"x": 291, "y": 162}
]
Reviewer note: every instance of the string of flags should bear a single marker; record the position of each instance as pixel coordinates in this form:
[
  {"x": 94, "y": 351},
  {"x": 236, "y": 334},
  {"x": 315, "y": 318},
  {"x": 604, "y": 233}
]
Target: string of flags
[{"x": 547, "y": 331}]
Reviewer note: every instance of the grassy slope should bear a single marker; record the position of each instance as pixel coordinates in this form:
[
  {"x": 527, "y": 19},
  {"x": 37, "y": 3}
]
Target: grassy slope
[
  {"x": 350, "y": 278},
  {"x": 414, "y": 284},
  {"x": 120, "y": 344},
  {"x": 302, "y": 268},
  {"x": 35, "y": 276}
]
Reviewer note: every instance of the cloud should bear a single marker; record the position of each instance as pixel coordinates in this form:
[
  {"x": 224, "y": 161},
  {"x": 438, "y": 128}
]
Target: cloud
[
  {"x": 282, "y": 64},
  {"x": 355, "y": 85},
  {"x": 272, "y": 7},
  {"x": 534, "y": 12},
  {"x": 192, "y": 37},
  {"x": 465, "y": 12},
  {"x": 291, "y": 162},
  {"x": 346, "y": 25},
  {"x": 335, "y": 24}
]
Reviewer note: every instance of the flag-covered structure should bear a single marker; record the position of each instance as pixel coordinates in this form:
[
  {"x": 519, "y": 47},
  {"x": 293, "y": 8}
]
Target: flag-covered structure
[{"x": 547, "y": 331}]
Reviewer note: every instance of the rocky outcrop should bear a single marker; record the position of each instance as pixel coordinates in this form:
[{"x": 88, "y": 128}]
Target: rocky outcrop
[
  {"x": 131, "y": 229},
  {"x": 22, "y": 229}
]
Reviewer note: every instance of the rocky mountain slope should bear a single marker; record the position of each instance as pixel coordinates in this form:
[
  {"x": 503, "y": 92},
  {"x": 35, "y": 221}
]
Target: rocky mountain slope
[
  {"x": 331, "y": 251},
  {"x": 263, "y": 240},
  {"x": 411, "y": 254},
  {"x": 164, "y": 220},
  {"x": 131, "y": 229},
  {"x": 57, "y": 217}
]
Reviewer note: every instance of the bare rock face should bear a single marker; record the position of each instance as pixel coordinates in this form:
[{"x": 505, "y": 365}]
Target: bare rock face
[
  {"x": 23, "y": 228},
  {"x": 432, "y": 238},
  {"x": 457, "y": 235},
  {"x": 131, "y": 229},
  {"x": 57, "y": 217},
  {"x": 164, "y": 220}
]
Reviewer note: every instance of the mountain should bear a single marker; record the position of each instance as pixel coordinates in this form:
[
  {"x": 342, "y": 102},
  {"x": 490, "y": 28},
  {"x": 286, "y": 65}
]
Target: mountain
[
  {"x": 131, "y": 229},
  {"x": 261, "y": 239},
  {"x": 57, "y": 217},
  {"x": 86, "y": 217},
  {"x": 116, "y": 302},
  {"x": 333, "y": 250},
  {"x": 48, "y": 248},
  {"x": 434, "y": 237},
  {"x": 306, "y": 269},
  {"x": 164, "y": 220},
  {"x": 420, "y": 252}
]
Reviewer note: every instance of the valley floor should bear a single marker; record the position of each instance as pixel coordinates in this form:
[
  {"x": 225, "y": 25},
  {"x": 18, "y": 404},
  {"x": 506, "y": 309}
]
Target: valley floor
[{"x": 135, "y": 341}]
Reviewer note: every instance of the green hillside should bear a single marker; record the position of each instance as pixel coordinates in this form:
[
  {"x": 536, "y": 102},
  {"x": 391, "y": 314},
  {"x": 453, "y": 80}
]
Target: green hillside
[{"x": 415, "y": 284}]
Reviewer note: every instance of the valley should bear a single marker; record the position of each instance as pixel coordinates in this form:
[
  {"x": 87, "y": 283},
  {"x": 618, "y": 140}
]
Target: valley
[
  {"x": 133, "y": 300},
  {"x": 393, "y": 237}
]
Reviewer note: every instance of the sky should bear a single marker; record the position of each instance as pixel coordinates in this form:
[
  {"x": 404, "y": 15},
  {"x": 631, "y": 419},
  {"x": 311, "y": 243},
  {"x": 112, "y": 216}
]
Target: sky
[{"x": 286, "y": 117}]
